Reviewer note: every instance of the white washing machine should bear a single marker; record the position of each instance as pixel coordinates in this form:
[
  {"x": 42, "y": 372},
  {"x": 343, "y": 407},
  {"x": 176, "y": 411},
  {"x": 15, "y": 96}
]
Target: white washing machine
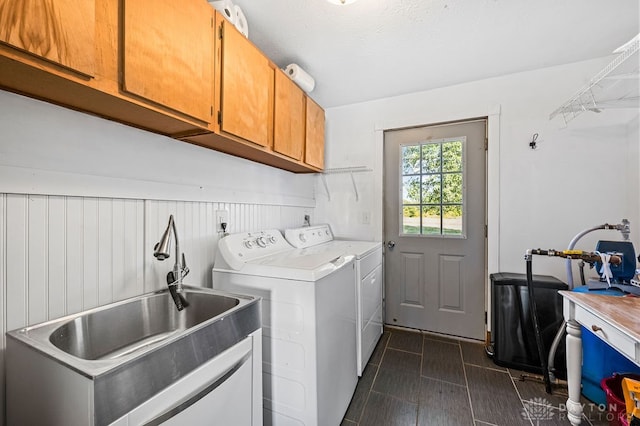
[
  {"x": 308, "y": 323},
  {"x": 368, "y": 281}
]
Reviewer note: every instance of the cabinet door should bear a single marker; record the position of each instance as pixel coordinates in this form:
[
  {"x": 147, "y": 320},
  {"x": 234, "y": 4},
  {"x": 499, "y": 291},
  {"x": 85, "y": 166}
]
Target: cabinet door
[
  {"x": 246, "y": 89},
  {"x": 168, "y": 54},
  {"x": 289, "y": 117},
  {"x": 60, "y": 31},
  {"x": 314, "y": 148},
  {"x": 218, "y": 392}
]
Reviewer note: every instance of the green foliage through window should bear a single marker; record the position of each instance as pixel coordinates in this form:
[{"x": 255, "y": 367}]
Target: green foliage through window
[{"x": 433, "y": 187}]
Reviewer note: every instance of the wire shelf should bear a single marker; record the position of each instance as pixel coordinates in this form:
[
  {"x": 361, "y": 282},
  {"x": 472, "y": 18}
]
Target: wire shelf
[{"x": 608, "y": 89}]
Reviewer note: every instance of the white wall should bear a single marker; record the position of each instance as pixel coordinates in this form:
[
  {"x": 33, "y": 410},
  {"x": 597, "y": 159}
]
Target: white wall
[
  {"x": 634, "y": 166},
  {"x": 83, "y": 201},
  {"x": 46, "y": 149},
  {"x": 581, "y": 175}
]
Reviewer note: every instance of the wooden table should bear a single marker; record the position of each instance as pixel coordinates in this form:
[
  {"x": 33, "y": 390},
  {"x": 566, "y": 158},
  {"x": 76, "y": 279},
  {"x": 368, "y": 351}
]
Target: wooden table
[{"x": 616, "y": 320}]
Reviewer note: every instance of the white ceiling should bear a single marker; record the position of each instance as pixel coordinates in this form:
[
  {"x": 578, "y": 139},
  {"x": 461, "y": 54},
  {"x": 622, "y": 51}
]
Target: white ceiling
[{"x": 379, "y": 48}]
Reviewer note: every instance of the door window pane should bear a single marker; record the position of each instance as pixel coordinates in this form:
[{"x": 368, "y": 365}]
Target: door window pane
[
  {"x": 452, "y": 188},
  {"x": 411, "y": 159},
  {"x": 411, "y": 190},
  {"x": 411, "y": 219},
  {"x": 433, "y": 187},
  {"x": 431, "y": 158},
  {"x": 452, "y": 156},
  {"x": 452, "y": 220},
  {"x": 431, "y": 220}
]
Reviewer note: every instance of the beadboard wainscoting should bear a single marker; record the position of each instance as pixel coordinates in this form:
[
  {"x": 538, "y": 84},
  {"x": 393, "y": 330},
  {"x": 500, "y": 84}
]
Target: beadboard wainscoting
[{"x": 61, "y": 254}]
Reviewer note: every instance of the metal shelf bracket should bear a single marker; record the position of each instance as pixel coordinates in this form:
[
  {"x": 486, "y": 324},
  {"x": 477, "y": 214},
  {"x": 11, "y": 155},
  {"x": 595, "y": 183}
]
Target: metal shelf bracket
[{"x": 343, "y": 170}]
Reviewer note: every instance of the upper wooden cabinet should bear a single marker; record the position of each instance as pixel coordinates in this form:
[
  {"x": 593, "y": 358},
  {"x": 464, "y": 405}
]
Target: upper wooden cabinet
[
  {"x": 262, "y": 115},
  {"x": 289, "y": 117},
  {"x": 246, "y": 88},
  {"x": 314, "y": 148},
  {"x": 60, "y": 31},
  {"x": 168, "y": 54}
]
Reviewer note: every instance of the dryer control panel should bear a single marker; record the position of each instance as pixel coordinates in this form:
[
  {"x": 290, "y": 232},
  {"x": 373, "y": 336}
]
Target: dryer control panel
[
  {"x": 237, "y": 249},
  {"x": 308, "y": 236}
]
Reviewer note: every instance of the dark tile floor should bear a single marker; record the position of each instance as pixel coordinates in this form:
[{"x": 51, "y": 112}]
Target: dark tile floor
[{"x": 418, "y": 379}]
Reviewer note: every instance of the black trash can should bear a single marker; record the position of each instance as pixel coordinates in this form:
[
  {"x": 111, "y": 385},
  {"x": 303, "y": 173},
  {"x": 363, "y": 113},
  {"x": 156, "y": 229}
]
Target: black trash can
[{"x": 514, "y": 340}]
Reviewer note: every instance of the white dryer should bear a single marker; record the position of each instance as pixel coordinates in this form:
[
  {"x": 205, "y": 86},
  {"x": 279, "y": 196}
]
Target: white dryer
[
  {"x": 368, "y": 282},
  {"x": 308, "y": 323}
]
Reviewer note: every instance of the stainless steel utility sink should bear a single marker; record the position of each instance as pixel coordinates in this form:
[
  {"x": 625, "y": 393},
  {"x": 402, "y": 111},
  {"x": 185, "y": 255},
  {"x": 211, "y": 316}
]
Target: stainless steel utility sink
[
  {"x": 129, "y": 327},
  {"x": 130, "y": 350}
]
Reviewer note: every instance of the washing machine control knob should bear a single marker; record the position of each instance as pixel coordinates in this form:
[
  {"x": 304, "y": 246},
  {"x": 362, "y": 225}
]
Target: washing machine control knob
[
  {"x": 261, "y": 242},
  {"x": 302, "y": 237},
  {"x": 248, "y": 244},
  {"x": 271, "y": 239}
]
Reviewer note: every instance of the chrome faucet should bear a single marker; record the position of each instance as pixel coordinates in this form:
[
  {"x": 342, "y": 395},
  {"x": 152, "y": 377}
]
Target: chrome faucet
[{"x": 174, "y": 277}]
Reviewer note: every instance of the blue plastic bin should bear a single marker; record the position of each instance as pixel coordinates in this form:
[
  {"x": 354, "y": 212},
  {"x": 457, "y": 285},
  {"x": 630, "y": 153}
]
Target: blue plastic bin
[{"x": 600, "y": 360}]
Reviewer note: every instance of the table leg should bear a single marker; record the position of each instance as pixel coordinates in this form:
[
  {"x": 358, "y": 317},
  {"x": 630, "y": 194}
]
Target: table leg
[{"x": 574, "y": 372}]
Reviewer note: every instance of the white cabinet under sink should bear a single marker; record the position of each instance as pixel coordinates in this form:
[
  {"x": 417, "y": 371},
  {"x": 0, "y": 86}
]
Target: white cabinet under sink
[{"x": 222, "y": 391}]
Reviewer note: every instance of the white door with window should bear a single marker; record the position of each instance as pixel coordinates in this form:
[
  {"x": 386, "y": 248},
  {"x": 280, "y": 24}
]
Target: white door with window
[{"x": 434, "y": 226}]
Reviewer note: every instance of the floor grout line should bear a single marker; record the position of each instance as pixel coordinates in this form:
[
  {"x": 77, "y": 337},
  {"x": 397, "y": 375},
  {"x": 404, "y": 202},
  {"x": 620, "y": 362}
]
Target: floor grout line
[
  {"x": 405, "y": 351},
  {"x": 443, "y": 381},
  {"x": 420, "y": 378},
  {"x": 524, "y": 409},
  {"x": 499, "y": 370},
  {"x": 466, "y": 381},
  {"x": 366, "y": 400},
  {"x": 442, "y": 341}
]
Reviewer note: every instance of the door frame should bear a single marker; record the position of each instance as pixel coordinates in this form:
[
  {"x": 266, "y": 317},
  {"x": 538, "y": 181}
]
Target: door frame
[{"x": 492, "y": 112}]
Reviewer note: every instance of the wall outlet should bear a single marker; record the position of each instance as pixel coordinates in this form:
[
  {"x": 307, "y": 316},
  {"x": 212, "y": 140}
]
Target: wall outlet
[{"x": 222, "y": 216}]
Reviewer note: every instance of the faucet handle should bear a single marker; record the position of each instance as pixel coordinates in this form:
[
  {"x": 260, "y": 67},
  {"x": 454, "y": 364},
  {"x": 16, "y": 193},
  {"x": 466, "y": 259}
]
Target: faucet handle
[
  {"x": 184, "y": 267},
  {"x": 178, "y": 299}
]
